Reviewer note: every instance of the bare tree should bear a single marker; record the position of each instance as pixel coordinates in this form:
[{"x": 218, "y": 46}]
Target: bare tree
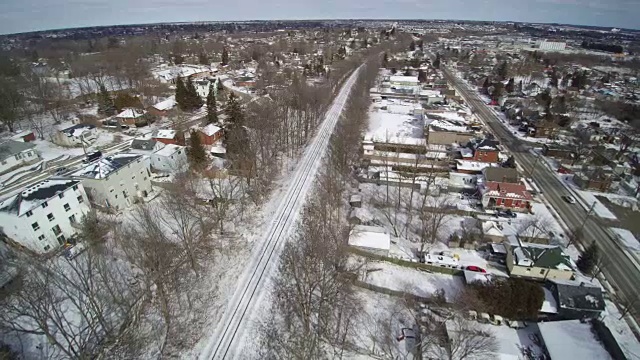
[
  {"x": 434, "y": 216},
  {"x": 459, "y": 339}
]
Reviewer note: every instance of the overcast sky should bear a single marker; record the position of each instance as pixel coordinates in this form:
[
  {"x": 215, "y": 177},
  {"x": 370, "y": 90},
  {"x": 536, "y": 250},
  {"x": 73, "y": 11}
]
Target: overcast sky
[{"x": 29, "y": 15}]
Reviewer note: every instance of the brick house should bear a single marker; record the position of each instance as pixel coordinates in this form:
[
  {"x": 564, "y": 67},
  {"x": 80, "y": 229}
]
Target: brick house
[
  {"x": 167, "y": 136},
  {"x": 210, "y": 134},
  {"x": 486, "y": 151},
  {"x": 163, "y": 107},
  {"x": 501, "y": 195},
  {"x": 131, "y": 116},
  {"x": 594, "y": 179},
  {"x": 501, "y": 174}
]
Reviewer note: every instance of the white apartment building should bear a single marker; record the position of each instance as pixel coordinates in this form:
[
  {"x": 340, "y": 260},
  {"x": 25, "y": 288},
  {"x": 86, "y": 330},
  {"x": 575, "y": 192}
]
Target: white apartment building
[
  {"x": 114, "y": 182},
  {"x": 552, "y": 45},
  {"x": 45, "y": 215},
  {"x": 170, "y": 158},
  {"x": 14, "y": 154}
]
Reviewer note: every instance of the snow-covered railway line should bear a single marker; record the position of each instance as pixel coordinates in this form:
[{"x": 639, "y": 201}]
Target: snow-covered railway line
[{"x": 221, "y": 344}]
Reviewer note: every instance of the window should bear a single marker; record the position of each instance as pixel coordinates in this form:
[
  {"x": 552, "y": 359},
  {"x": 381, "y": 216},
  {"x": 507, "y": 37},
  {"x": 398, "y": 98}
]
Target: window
[
  {"x": 35, "y": 226},
  {"x": 18, "y": 156},
  {"x": 51, "y": 217},
  {"x": 46, "y": 248},
  {"x": 528, "y": 269},
  {"x": 75, "y": 187},
  {"x": 29, "y": 213},
  {"x": 80, "y": 199},
  {"x": 4, "y": 162},
  {"x": 116, "y": 196},
  {"x": 61, "y": 195},
  {"x": 133, "y": 177},
  {"x": 124, "y": 193},
  {"x": 45, "y": 204},
  {"x": 56, "y": 230},
  {"x": 67, "y": 207},
  {"x": 542, "y": 271},
  {"x": 61, "y": 239},
  {"x": 72, "y": 218},
  {"x": 41, "y": 237}
]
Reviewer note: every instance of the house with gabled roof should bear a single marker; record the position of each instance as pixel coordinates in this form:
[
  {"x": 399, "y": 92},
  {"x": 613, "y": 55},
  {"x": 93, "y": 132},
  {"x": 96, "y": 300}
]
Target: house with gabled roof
[
  {"x": 537, "y": 261},
  {"x": 575, "y": 299},
  {"x": 44, "y": 216},
  {"x": 507, "y": 196},
  {"x": 14, "y": 154}
]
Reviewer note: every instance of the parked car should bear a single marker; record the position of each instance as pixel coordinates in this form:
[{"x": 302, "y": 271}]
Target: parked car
[
  {"x": 73, "y": 251},
  {"x": 61, "y": 170},
  {"x": 476, "y": 269},
  {"x": 92, "y": 157},
  {"x": 568, "y": 198}
]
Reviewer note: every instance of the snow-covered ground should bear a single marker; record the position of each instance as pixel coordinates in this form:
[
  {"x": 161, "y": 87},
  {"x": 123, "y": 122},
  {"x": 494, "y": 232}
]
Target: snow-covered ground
[
  {"x": 396, "y": 123},
  {"x": 627, "y": 239}
]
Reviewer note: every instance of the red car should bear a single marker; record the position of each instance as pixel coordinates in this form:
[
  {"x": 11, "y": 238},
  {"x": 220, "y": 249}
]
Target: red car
[{"x": 476, "y": 269}]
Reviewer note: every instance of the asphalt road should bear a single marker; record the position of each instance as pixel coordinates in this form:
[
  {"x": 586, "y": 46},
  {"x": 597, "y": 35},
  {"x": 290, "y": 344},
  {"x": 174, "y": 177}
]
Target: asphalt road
[{"x": 618, "y": 267}]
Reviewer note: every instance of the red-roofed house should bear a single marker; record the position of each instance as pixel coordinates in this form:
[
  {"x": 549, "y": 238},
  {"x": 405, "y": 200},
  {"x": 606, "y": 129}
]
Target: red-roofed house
[
  {"x": 500, "y": 195},
  {"x": 210, "y": 134},
  {"x": 168, "y": 136}
]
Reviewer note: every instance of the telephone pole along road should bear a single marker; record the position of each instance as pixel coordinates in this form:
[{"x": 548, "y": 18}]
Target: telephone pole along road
[
  {"x": 618, "y": 267},
  {"x": 236, "y": 320}
]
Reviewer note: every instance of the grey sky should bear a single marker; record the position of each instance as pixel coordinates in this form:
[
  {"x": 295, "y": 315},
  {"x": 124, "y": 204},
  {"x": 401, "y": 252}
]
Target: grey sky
[{"x": 29, "y": 15}]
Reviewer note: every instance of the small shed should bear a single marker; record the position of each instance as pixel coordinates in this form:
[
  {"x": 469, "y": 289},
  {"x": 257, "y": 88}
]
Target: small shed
[
  {"x": 355, "y": 200},
  {"x": 373, "y": 239}
]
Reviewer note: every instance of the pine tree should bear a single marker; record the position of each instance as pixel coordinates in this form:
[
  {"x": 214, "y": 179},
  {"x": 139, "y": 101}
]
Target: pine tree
[
  {"x": 212, "y": 108},
  {"x": 503, "y": 70},
  {"x": 220, "y": 86},
  {"x": 385, "y": 60},
  {"x": 422, "y": 76},
  {"x": 589, "y": 259},
  {"x": 196, "y": 152},
  {"x": 194, "y": 100},
  {"x": 486, "y": 84},
  {"x": 182, "y": 97},
  {"x": 235, "y": 118},
  {"x": 203, "y": 59},
  {"x": 436, "y": 63},
  {"x": 105, "y": 103},
  {"x": 225, "y": 57},
  {"x": 510, "y": 86},
  {"x": 412, "y": 46}
]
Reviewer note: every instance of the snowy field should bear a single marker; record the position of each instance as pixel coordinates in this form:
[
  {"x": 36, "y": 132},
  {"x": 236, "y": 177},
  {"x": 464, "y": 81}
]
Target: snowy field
[{"x": 395, "y": 124}]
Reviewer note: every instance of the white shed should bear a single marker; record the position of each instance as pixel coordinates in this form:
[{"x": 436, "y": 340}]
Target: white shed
[{"x": 373, "y": 239}]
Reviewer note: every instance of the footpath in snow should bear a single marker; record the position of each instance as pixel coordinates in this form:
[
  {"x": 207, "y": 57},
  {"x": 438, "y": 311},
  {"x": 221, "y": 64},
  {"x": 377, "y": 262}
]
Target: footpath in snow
[{"x": 227, "y": 339}]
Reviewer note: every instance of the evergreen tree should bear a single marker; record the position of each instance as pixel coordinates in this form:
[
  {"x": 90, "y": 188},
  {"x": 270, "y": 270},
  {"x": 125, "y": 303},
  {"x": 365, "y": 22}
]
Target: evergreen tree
[
  {"x": 436, "y": 63},
  {"x": 182, "y": 97},
  {"x": 412, "y": 46},
  {"x": 510, "y": 86},
  {"x": 212, "y": 108},
  {"x": 553, "y": 79},
  {"x": 385, "y": 60},
  {"x": 486, "y": 84},
  {"x": 589, "y": 259},
  {"x": 503, "y": 70},
  {"x": 194, "y": 100},
  {"x": 422, "y": 76},
  {"x": 196, "y": 152},
  {"x": 235, "y": 118},
  {"x": 220, "y": 86},
  {"x": 203, "y": 59},
  {"x": 225, "y": 57},
  {"x": 105, "y": 103}
]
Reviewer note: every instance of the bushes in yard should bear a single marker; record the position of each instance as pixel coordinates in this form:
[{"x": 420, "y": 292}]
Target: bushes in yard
[{"x": 515, "y": 299}]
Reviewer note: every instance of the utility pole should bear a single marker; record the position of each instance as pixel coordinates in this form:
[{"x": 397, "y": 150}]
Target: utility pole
[{"x": 587, "y": 216}]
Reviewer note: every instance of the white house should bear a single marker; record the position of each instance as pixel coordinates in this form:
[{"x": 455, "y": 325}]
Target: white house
[
  {"x": 114, "y": 182},
  {"x": 169, "y": 158},
  {"x": 44, "y": 216},
  {"x": 373, "y": 239},
  {"x": 14, "y": 154},
  {"x": 75, "y": 135}
]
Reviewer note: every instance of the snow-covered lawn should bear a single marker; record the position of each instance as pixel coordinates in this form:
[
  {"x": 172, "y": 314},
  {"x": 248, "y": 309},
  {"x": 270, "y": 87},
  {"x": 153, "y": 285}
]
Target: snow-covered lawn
[
  {"x": 395, "y": 124},
  {"x": 420, "y": 283},
  {"x": 621, "y": 330}
]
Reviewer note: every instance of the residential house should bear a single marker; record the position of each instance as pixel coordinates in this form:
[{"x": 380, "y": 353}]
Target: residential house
[
  {"x": 169, "y": 158},
  {"x": 485, "y": 150},
  {"x": 501, "y": 174},
  {"x": 163, "y": 107},
  {"x": 537, "y": 261},
  {"x": 76, "y": 135},
  {"x": 146, "y": 145},
  {"x": 132, "y": 117},
  {"x": 447, "y": 132},
  {"x": 473, "y": 167},
  {"x": 15, "y": 154},
  {"x": 501, "y": 195},
  {"x": 115, "y": 182},
  {"x": 593, "y": 179},
  {"x": 501, "y": 229},
  {"x": 373, "y": 239},
  {"x": 563, "y": 153},
  {"x": 168, "y": 136},
  {"x": 575, "y": 339},
  {"x": 210, "y": 134},
  {"x": 575, "y": 300},
  {"x": 45, "y": 215}
]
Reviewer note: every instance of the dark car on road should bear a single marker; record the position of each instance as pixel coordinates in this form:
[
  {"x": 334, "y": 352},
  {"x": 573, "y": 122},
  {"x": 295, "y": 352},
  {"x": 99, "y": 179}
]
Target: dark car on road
[{"x": 92, "y": 157}]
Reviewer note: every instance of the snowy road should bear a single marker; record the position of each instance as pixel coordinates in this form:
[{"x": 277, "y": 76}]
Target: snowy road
[{"x": 235, "y": 321}]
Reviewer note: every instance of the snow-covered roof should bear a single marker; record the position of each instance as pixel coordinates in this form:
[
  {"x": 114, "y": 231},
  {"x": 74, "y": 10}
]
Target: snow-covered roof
[
  {"x": 506, "y": 190},
  {"x": 571, "y": 339},
  {"x": 474, "y": 165},
  {"x": 164, "y": 134},
  {"x": 549, "y": 305},
  {"x": 404, "y": 79},
  {"x": 106, "y": 165},
  {"x": 169, "y": 150},
  {"x": 167, "y": 104},
  {"x": 77, "y": 130},
  {"x": 131, "y": 114},
  {"x": 371, "y": 237},
  {"x": 11, "y": 147},
  {"x": 35, "y": 195},
  {"x": 210, "y": 129}
]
